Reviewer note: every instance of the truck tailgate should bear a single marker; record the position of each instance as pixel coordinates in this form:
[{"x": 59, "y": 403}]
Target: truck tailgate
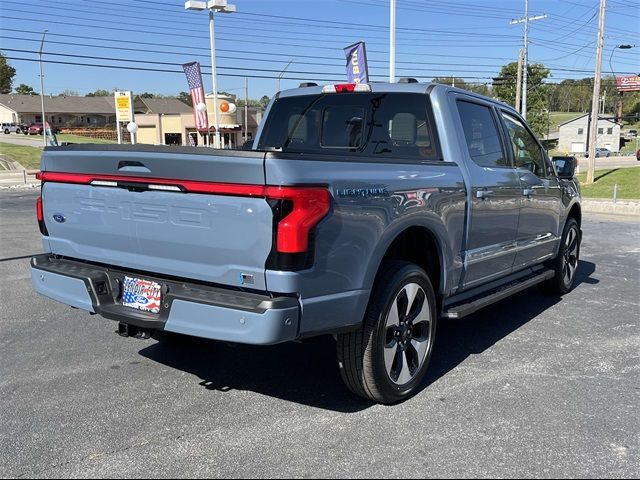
[{"x": 186, "y": 213}]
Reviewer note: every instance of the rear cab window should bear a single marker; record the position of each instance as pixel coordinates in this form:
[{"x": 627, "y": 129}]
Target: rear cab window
[
  {"x": 384, "y": 125},
  {"x": 482, "y": 135}
]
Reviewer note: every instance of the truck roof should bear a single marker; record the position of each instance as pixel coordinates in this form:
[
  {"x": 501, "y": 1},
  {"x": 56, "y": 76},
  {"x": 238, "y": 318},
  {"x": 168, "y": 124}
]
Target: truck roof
[{"x": 437, "y": 89}]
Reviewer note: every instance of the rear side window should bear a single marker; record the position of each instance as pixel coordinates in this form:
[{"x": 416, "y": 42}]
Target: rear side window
[
  {"x": 481, "y": 135},
  {"x": 368, "y": 124}
]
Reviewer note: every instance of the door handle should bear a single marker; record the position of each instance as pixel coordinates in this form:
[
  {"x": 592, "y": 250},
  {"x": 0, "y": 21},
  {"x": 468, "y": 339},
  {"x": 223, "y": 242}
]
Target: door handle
[
  {"x": 527, "y": 192},
  {"x": 484, "y": 194}
]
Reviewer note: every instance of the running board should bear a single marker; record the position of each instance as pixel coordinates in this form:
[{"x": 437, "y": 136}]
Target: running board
[{"x": 476, "y": 303}]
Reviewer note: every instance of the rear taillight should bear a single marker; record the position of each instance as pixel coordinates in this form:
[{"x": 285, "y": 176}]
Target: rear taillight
[
  {"x": 40, "y": 216},
  {"x": 297, "y": 210},
  {"x": 309, "y": 206}
]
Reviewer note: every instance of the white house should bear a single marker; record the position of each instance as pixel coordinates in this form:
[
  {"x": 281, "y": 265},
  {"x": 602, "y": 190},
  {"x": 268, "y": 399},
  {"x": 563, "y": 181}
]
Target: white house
[{"x": 573, "y": 135}]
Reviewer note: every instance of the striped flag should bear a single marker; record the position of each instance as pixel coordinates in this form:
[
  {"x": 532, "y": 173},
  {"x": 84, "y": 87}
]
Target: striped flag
[{"x": 194, "y": 79}]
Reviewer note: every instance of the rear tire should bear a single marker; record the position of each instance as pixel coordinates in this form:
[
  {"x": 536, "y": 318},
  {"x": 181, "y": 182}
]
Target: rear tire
[
  {"x": 565, "y": 265},
  {"x": 6, "y": 131},
  {"x": 387, "y": 359}
]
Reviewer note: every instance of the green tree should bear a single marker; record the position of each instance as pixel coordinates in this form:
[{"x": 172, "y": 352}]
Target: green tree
[
  {"x": 252, "y": 103},
  {"x": 147, "y": 95},
  {"x": 69, "y": 93},
  {"x": 99, "y": 93},
  {"x": 185, "y": 97},
  {"x": 7, "y": 72},
  {"x": 264, "y": 101},
  {"x": 451, "y": 81},
  {"x": 24, "y": 89},
  {"x": 458, "y": 82},
  {"x": 538, "y": 93}
]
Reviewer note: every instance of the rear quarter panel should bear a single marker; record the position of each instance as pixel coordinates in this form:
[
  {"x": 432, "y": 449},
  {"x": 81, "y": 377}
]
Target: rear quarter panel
[{"x": 372, "y": 203}]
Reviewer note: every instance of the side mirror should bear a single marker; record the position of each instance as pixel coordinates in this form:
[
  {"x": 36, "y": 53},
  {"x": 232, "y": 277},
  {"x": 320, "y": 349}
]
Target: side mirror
[{"x": 566, "y": 167}]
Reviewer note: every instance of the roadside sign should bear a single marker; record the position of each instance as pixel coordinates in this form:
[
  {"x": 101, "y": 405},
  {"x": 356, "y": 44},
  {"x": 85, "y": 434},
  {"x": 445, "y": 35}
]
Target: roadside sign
[
  {"x": 628, "y": 84},
  {"x": 124, "y": 106}
]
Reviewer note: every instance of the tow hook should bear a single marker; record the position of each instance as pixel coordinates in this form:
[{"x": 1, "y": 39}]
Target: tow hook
[{"x": 126, "y": 330}]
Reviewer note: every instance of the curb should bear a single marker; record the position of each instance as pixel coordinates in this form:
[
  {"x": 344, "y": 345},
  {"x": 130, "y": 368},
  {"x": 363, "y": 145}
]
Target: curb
[{"x": 620, "y": 207}]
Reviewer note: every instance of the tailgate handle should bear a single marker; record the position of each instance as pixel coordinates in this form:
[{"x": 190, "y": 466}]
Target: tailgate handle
[{"x": 131, "y": 166}]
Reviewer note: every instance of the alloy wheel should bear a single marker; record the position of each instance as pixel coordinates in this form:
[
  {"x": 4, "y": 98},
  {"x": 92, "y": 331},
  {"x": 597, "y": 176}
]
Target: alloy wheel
[
  {"x": 570, "y": 263},
  {"x": 408, "y": 338}
]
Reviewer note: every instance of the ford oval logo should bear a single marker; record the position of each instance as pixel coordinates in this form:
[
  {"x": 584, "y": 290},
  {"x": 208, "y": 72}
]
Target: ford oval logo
[
  {"x": 140, "y": 299},
  {"x": 58, "y": 217}
]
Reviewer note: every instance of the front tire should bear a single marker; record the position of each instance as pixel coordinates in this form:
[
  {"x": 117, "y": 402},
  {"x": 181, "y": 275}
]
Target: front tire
[
  {"x": 565, "y": 265},
  {"x": 388, "y": 358}
]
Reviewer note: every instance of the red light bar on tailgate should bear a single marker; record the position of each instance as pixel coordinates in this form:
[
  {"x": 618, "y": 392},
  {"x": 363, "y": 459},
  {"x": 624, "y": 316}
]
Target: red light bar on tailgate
[{"x": 310, "y": 204}]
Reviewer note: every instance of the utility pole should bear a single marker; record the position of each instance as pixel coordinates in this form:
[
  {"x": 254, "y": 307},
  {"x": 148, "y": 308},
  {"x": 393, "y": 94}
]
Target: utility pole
[
  {"x": 519, "y": 80},
  {"x": 593, "y": 121},
  {"x": 44, "y": 120},
  {"x": 392, "y": 41},
  {"x": 525, "y": 73}
]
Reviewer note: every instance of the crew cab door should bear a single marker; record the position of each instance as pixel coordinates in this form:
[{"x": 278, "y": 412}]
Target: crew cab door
[
  {"x": 495, "y": 196},
  {"x": 538, "y": 229}
]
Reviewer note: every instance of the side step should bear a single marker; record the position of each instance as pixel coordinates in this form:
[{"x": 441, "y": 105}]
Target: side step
[{"x": 467, "y": 307}]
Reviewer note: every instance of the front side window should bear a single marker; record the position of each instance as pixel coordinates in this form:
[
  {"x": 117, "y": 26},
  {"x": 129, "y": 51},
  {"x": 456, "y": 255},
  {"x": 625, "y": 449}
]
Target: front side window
[
  {"x": 481, "y": 134},
  {"x": 526, "y": 151},
  {"x": 609, "y": 131},
  {"x": 580, "y": 131},
  {"x": 600, "y": 131},
  {"x": 368, "y": 124}
]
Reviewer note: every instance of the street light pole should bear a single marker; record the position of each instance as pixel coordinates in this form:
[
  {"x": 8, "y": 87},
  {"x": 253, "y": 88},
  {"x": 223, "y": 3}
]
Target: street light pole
[
  {"x": 281, "y": 74},
  {"x": 214, "y": 80},
  {"x": 213, "y": 6},
  {"x": 44, "y": 122},
  {"x": 392, "y": 41},
  {"x": 619, "y": 106}
]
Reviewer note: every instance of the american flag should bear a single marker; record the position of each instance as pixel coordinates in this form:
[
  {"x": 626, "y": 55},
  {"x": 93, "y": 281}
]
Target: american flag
[{"x": 194, "y": 79}]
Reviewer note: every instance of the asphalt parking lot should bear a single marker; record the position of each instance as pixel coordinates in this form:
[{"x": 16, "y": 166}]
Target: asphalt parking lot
[{"x": 531, "y": 387}]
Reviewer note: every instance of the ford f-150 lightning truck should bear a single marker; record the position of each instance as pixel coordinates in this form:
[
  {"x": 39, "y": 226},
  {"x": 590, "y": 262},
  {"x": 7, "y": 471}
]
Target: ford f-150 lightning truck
[{"x": 366, "y": 211}]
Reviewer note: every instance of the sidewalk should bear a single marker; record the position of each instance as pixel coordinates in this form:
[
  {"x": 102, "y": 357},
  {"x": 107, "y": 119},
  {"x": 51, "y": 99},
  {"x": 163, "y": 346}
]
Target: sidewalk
[{"x": 603, "y": 205}]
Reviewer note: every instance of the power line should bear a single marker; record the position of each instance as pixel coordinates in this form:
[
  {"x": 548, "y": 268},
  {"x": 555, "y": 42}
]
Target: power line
[
  {"x": 137, "y": 42},
  {"x": 243, "y": 38}
]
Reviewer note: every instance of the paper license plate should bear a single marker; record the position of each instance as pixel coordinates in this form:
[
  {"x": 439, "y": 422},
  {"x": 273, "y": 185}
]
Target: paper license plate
[{"x": 142, "y": 294}]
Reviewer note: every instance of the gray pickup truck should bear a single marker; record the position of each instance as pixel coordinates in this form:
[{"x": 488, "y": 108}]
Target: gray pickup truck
[{"x": 364, "y": 211}]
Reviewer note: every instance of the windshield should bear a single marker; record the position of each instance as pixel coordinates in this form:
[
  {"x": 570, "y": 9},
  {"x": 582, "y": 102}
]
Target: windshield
[{"x": 386, "y": 125}]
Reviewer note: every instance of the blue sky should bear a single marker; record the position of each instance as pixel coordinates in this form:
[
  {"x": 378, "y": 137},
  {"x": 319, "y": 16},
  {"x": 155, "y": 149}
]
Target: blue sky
[{"x": 471, "y": 39}]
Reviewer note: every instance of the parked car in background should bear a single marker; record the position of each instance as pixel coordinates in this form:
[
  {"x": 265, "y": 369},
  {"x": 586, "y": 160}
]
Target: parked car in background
[
  {"x": 11, "y": 128},
  {"x": 600, "y": 152},
  {"x": 36, "y": 129},
  {"x": 632, "y": 133}
]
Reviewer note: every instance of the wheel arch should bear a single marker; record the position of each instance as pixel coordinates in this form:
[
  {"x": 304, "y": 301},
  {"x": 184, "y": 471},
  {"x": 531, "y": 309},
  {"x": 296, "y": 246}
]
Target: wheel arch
[{"x": 420, "y": 244}]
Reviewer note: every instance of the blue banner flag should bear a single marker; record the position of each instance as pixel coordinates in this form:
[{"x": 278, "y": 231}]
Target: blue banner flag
[{"x": 357, "y": 71}]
